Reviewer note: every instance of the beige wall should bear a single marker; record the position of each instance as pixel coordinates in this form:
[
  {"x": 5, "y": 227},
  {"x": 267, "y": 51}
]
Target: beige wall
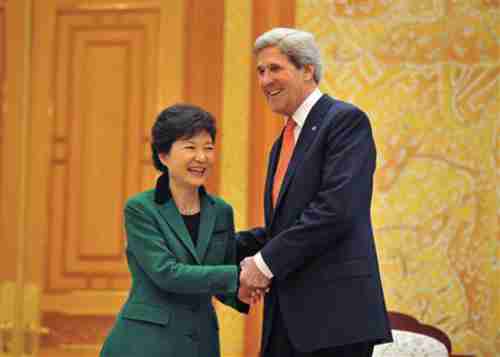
[
  {"x": 427, "y": 73},
  {"x": 234, "y": 145}
]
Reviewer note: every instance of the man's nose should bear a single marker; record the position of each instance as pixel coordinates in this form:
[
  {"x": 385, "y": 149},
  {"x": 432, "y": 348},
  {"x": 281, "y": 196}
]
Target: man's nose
[{"x": 265, "y": 78}]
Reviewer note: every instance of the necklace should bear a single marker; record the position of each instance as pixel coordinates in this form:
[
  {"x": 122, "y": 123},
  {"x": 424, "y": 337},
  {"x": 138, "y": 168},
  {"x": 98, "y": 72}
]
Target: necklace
[
  {"x": 188, "y": 203},
  {"x": 189, "y": 211}
]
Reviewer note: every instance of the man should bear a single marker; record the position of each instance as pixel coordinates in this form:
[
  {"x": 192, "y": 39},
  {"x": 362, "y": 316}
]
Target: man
[{"x": 316, "y": 255}]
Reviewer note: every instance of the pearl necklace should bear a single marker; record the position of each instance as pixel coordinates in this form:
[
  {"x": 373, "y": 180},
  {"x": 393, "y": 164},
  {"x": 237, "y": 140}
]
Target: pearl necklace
[{"x": 189, "y": 211}]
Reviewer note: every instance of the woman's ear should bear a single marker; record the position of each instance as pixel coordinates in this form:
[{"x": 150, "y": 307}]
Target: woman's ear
[{"x": 163, "y": 158}]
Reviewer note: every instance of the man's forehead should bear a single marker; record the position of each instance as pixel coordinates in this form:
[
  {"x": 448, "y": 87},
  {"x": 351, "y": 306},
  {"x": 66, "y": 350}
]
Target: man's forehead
[
  {"x": 267, "y": 58},
  {"x": 269, "y": 63}
]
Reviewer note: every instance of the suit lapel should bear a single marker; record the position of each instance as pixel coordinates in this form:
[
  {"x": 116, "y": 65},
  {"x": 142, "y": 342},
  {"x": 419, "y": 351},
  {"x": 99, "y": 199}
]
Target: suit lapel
[
  {"x": 271, "y": 169},
  {"x": 307, "y": 135},
  {"x": 173, "y": 218},
  {"x": 207, "y": 223}
]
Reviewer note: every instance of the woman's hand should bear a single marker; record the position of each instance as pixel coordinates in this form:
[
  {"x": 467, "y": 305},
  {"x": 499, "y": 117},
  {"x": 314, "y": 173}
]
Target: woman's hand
[{"x": 250, "y": 296}]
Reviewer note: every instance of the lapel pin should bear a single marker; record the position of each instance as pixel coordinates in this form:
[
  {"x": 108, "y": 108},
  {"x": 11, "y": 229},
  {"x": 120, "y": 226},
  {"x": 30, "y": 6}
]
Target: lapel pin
[{"x": 314, "y": 128}]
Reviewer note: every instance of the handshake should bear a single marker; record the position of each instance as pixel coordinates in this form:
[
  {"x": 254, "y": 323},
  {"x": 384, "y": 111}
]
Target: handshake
[{"x": 253, "y": 284}]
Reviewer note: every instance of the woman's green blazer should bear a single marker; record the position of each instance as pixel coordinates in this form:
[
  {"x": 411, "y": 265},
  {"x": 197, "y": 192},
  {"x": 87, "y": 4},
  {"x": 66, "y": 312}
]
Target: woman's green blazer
[{"x": 169, "y": 311}]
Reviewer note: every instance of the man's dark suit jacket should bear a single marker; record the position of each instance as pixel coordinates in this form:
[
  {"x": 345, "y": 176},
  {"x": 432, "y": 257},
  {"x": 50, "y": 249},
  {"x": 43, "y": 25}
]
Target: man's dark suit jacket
[{"x": 318, "y": 240}]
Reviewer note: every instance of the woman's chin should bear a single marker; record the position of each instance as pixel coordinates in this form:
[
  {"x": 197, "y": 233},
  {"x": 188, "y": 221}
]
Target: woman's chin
[{"x": 197, "y": 182}]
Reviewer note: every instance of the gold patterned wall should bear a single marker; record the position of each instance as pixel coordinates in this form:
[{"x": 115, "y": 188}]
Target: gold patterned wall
[{"x": 427, "y": 73}]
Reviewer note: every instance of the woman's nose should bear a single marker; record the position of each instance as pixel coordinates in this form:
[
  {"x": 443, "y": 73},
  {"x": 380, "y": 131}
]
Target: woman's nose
[{"x": 201, "y": 156}]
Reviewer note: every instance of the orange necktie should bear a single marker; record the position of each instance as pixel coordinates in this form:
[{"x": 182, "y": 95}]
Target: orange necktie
[{"x": 285, "y": 155}]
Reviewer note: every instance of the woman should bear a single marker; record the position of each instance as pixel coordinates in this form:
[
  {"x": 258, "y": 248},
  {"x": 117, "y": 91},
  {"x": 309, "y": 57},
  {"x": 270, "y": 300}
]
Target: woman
[{"x": 181, "y": 248}]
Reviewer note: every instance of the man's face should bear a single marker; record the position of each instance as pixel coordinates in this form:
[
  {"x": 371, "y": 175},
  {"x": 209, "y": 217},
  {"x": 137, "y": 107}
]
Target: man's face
[{"x": 284, "y": 85}]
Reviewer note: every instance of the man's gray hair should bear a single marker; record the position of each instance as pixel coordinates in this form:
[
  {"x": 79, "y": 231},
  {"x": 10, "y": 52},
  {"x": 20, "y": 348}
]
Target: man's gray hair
[{"x": 298, "y": 46}]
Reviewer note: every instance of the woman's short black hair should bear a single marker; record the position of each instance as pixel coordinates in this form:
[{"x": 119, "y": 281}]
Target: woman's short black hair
[{"x": 179, "y": 121}]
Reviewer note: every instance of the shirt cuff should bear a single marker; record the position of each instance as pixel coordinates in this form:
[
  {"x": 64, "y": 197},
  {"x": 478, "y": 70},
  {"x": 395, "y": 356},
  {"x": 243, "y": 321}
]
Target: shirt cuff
[{"x": 261, "y": 264}]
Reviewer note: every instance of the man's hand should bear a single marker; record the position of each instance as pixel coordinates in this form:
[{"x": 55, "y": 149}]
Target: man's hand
[
  {"x": 249, "y": 296},
  {"x": 251, "y": 277}
]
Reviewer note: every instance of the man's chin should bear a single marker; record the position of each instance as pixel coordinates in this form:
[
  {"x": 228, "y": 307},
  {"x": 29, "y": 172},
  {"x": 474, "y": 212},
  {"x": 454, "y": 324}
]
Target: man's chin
[{"x": 277, "y": 109}]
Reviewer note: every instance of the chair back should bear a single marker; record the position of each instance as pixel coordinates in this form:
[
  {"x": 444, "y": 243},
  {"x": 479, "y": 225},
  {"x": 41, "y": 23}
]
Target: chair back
[{"x": 400, "y": 321}]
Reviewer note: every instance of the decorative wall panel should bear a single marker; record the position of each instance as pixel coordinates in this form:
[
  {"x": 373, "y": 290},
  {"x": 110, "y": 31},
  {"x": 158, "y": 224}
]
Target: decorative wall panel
[{"x": 427, "y": 73}]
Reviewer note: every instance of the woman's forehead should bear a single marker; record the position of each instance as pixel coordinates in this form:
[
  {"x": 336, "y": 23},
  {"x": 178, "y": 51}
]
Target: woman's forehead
[{"x": 200, "y": 136}]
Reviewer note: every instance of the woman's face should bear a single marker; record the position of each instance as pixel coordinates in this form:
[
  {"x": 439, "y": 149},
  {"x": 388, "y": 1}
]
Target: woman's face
[{"x": 190, "y": 160}]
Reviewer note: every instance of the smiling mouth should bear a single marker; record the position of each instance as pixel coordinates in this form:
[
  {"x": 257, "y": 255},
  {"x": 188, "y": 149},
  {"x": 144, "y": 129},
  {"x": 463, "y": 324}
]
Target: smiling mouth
[
  {"x": 273, "y": 93},
  {"x": 197, "y": 171}
]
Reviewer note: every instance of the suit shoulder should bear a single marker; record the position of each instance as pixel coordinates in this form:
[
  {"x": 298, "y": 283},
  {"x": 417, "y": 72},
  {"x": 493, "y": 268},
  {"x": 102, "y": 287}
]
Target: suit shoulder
[
  {"x": 144, "y": 198},
  {"x": 220, "y": 204},
  {"x": 343, "y": 107},
  {"x": 345, "y": 113}
]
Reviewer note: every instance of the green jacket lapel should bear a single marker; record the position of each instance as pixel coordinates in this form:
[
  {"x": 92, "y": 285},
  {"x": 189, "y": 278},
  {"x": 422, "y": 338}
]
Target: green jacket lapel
[
  {"x": 207, "y": 223},
  {"x": 173, "y": 218}
]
